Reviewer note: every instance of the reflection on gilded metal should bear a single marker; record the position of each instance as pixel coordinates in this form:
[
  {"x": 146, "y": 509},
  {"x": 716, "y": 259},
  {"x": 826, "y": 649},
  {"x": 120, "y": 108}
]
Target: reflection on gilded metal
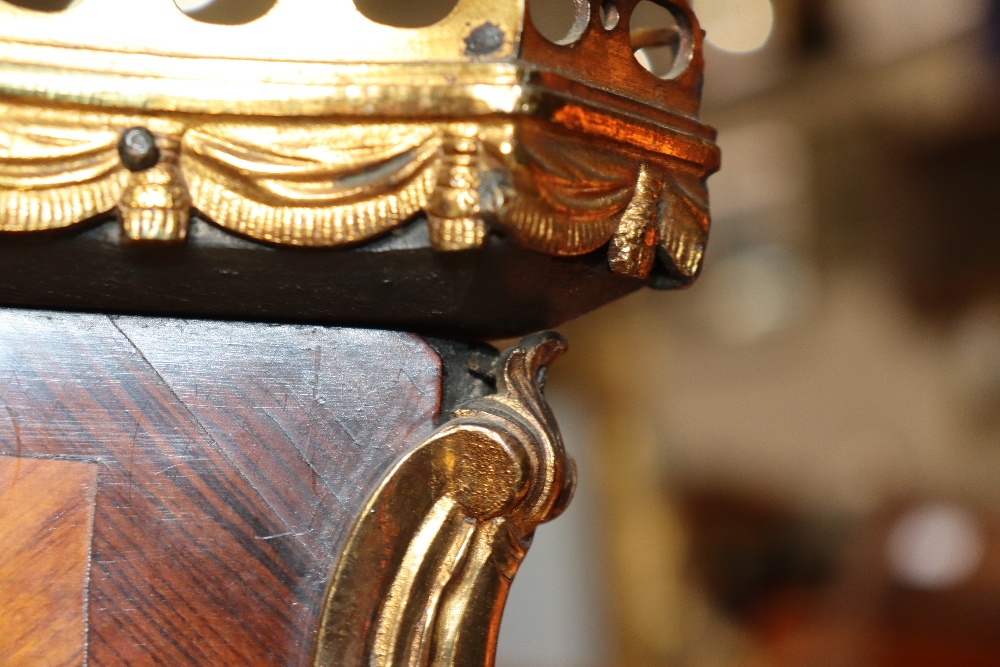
[
  {"x": 315, "y": 126},
  {"x": 633, "y": 247},
  {"x": 424, "y": 575}
]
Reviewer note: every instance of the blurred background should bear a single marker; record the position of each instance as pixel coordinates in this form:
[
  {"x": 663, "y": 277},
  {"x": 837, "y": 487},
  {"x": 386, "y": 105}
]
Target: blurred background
[{"x": 797, "y": 461}]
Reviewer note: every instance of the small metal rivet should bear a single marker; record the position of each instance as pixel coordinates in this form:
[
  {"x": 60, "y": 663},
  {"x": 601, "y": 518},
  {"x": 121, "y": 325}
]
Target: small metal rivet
[
  {"x": 484, "y": 40},
  {"x": 138, "y": 150}
]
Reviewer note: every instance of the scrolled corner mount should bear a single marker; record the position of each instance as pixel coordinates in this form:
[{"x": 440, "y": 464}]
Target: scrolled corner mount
[{"x": 424, "y": 574}]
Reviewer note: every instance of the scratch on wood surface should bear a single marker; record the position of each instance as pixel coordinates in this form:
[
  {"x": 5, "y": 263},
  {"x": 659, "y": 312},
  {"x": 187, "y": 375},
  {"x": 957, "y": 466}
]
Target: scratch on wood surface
[
  {"x": 413, "y": 383},
  {"x": 17, "y": 428},
  {"x": 17, "y": 445},
  {"x": 131, "y": 461},
  {"x": 317, "y": 367},
  {"x": 218, "y": 468},
  {"x": 274, "y": 537},
  {"x": 187, "y": 409}
]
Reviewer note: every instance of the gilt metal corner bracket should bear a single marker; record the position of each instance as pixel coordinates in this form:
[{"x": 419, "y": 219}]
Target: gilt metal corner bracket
[{"x": 424, "y": 575}]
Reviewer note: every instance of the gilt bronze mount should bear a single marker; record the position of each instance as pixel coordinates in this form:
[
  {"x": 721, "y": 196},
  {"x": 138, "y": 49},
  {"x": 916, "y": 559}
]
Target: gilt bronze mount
[
  {"x": 315, "y": 127},
  {"x": 450, "y": 525}
]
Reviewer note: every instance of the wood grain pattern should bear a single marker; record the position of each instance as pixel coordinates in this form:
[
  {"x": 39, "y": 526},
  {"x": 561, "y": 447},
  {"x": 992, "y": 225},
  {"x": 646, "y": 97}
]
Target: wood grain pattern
[
  {"x": 46, "y": 519},
  {"x": 232, "y": 458}
]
